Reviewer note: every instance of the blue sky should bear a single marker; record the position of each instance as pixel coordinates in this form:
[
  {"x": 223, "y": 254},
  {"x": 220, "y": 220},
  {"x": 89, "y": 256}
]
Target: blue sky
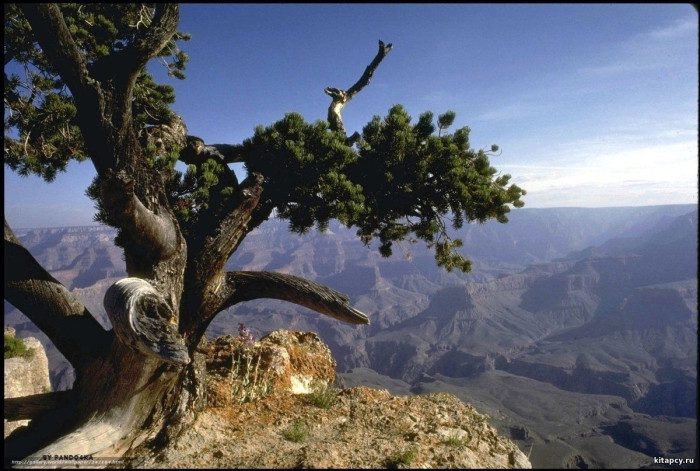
[{"x": 592, "y": 105}]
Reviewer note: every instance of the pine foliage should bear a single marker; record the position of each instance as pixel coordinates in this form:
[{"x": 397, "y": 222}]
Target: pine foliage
[
  {"x": 41, "y": 130},
  {"x": 403, "y": 180}
]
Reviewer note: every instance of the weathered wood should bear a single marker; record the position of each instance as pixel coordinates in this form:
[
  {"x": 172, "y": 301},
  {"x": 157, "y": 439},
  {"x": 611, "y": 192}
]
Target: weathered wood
[
  {"x": 119, "y": 401},
  {"x": 49, "y": 305},
  {"x": 248, "y": 285},
  {"x": 341, "y": 97},
  {"x": 29, "y": 407},
  {"x": 196, "y": 152},
  {"x": 155, "y": 233},
  {"x": 215, "y": 241},
  {"x": 143, "y": 320}
]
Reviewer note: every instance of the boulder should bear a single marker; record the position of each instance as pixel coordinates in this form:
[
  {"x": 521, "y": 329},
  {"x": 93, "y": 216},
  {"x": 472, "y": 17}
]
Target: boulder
[{"x": 282, "y": 362}]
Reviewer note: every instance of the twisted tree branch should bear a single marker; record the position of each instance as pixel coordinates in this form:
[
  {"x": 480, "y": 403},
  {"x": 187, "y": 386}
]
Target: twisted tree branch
[
  {"x": 341, "y": 97},
  {"x": 197, "y": 152},
  {"x": 235, "y": 225},
  {"x": 153, "y": 232},
  {"x": 369, "y": 70},
  {"x": 144, "y": 321},
  {"x": 29, "y": 407},
  {"x": 49, "y": 305},
  {"x": 150, "y": 40},
  {"x": 230, "y": 152},
  {"x": 216, "y": 241},
  {"x": 246, "y": 285}
]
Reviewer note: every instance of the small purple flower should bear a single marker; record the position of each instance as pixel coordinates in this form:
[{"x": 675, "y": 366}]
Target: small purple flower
[{"x": 245, "y": 335}]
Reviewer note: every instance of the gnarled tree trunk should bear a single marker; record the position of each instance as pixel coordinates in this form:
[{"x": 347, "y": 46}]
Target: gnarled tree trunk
[{"x": 142, "y": 381}]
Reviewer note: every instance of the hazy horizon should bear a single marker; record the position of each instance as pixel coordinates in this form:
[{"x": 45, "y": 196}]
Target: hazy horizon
[{"x": 97, "y": 224}]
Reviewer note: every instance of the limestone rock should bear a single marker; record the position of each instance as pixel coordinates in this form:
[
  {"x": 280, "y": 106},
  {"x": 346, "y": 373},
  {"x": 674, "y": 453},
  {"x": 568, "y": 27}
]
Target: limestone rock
[
  {"x": 25, "y": 376},
  {"x": 253, "y": 409},
  {"x": 282, "y": 362}
]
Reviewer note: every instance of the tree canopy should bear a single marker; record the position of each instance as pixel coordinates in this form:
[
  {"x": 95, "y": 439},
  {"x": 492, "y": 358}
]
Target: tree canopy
[
  {"x": 79, "y": 88},
  {"x": 39, "y": 108},
  {"x": 399, "y": 179}
]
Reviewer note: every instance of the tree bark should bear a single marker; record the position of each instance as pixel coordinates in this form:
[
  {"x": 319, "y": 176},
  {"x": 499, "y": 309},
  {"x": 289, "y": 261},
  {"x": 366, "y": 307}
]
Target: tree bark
[
  {"x": 50, "y": 306},
  {"x": 143, "y": 320},
  {"x": 142, "y": 382},
  {"x": 196, "y": 152},
  {"x": 124, "y": 400},
  {"x": 249, "y": 285},
  {"x": 208, "y": 255},
  {"x": 341, "y": 97},
  {"x": 29, "y": 407}
]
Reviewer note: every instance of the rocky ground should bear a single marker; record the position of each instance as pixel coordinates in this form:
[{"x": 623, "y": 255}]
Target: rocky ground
[{"x": 326, "y": 427}]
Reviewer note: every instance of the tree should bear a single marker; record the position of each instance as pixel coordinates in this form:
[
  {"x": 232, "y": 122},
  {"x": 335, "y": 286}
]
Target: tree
[{"x": 86, "y": 94}]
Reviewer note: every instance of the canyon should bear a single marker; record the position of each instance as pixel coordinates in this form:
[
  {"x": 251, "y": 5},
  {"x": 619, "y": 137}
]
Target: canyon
[{"x": 575, "y": 332}]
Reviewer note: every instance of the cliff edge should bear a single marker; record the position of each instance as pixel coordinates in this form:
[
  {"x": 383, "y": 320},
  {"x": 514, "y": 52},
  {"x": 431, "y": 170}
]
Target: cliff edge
[
  {"x": 25, "y": 374},
  {"x": 272, "y": 404}
]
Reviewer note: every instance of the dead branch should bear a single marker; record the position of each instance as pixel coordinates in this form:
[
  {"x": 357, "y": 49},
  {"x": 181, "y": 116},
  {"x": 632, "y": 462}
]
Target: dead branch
[{"x": 339, "y": 98}]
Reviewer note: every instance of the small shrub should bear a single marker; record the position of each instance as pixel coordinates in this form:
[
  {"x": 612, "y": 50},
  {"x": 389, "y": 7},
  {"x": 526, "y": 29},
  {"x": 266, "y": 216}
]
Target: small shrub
[
  {"x": 15, "y": 347},
  {"x": 455, "y": 441},
  {"x": 323, "y": 398},
  {"x": 403, "y": 457},
  {"x": 297, "y": 432}
]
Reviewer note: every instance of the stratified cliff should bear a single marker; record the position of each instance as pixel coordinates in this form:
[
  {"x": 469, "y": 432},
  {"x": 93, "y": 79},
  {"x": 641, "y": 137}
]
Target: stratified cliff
[{"x": 272, "y": 404}]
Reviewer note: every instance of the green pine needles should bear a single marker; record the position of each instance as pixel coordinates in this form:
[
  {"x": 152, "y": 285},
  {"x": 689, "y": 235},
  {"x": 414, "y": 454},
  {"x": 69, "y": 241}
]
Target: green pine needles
[
  {"x": 403, "y": 180},
  {"x": 39, "y": 108}
]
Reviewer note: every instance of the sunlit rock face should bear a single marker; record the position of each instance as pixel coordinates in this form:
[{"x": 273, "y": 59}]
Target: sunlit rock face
[
  {"x": 272, "y": 404},
  {"x": 25, "y": 376},
  {"x": 280, "y": 362}
]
